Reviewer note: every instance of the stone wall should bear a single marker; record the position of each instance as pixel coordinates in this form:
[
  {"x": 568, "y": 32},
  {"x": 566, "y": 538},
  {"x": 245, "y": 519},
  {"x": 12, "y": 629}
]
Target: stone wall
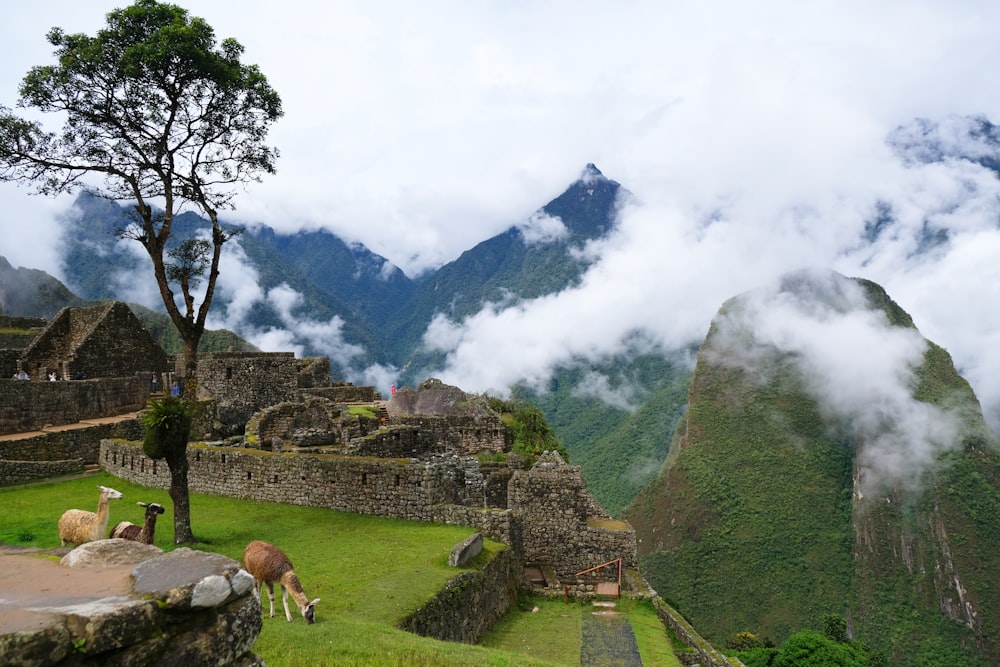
[
  {"x": 385, "y": 487},
  {"x": 344, "y": 392},
  {"x": 29, "y": 406},
  {"x": 545, "y": 519},
  {"x": 705, "y": 654},
  {"x": 14, "y": 322},
  {"x": 551, "y": 505},
  {"x": 8, "y": 362},
  {"x": 19, "y": 472},
  {"x": 243, "y": 382},
  {"x": 59, "y": 451},
  {"x": 16, "y": 340},
  {"x": 314, "y": 422},
  {"x": 464, "y": 435},
  {"x": 313, "y": 372},
  {"x": 470, "y": 604}
]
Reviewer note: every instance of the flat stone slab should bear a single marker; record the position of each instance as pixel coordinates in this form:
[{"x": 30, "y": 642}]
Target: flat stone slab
[
  {"x": 32, "y": 582},
  {"x": 114, "y": 598},
  {"x": 466, "y": 550}
]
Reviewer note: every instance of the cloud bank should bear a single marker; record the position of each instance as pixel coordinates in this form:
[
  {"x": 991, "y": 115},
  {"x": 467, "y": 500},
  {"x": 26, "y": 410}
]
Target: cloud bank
[
  {"x": 757, "y": 138},
  {"x": 859, "y": 369}
]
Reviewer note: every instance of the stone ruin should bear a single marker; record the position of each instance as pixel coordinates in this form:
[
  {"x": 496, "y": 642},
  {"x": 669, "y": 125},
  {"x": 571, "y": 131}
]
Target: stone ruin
[
  {"x": 433, "y": 453},
  {"x": 101, "y": 341}
]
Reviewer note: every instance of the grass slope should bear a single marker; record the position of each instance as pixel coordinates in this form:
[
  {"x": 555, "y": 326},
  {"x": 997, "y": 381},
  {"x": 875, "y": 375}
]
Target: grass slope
[{"x": 368, "y": 571}]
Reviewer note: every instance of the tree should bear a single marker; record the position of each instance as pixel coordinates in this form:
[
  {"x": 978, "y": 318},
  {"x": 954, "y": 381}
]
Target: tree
[
  {"x": 163, "y": 117},
  {"x": 167, "y": 425},
  {"x": 158, "y": 114}
]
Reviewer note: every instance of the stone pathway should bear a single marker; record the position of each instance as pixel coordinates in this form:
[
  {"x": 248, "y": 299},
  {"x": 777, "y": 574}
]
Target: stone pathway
[{"x": 608, "y": 641}]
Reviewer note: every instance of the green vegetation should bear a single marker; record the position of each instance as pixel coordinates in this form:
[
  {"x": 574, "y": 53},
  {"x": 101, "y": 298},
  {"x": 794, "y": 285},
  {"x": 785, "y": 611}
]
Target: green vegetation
[
  {"x": 366, "y": 411},
  {"x": 165, "y": 333},
  {"x": 543, "y": 627},
  {"x": 619, "y": 448},
  {"x": 752, "y": 525},
  {"x": 532, "y": 434},
  {"x": 369, "y": 572}
]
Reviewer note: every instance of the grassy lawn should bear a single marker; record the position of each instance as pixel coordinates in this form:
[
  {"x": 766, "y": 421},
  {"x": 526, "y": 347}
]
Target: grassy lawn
[{"x": 368, "y": 571}]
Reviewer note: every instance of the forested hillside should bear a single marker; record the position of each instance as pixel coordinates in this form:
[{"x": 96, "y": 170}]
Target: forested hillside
[{"x": 793, "y": 491}]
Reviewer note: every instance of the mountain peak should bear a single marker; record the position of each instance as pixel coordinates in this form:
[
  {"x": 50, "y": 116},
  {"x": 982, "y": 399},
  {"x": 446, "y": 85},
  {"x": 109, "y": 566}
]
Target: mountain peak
[{"x": 591, "y": 173}]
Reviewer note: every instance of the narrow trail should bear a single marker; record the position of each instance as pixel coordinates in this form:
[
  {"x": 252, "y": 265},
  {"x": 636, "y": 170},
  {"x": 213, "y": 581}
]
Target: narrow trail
[{"x": 607, "y": 640}]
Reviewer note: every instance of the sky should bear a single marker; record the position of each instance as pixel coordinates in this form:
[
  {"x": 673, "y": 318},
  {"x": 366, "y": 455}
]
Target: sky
[{"x": 753, "y": 137}]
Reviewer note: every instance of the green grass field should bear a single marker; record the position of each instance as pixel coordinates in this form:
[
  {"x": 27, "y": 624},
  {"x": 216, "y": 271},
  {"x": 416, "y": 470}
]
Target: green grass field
[{"x": 368, "y": 571}]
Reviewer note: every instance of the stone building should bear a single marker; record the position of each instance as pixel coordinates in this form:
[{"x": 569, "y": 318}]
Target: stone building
[
  {"x": 17, "y": 334},
  {"x": 102, "y": 341}
]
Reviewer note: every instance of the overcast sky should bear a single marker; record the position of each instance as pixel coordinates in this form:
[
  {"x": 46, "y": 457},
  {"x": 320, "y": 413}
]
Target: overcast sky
[{"x": 752, "y": 134}]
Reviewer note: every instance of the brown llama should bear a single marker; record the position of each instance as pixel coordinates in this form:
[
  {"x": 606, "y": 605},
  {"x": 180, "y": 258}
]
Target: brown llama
[
  {"x": 127, "y": 530},
  {"x": 269, "y": 565}
]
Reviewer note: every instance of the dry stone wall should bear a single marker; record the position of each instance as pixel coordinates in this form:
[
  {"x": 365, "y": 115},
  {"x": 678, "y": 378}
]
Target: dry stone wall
[
  {"x": 386, "y": 487},
  {"x": 29, "y": 406},
  {"x": 464, "y": 435},
  {"x": 551, "y": 503},
  {"x": 470, "y": 604},
  {"x": 546, "y": 520},
  {"x": 313, "y": 372},
  {"x": 59, "y": 451},
  {"x": 242, "y": 382},
  {"x": 100, "y": 341},
  {"x": 344, "y": 392}
]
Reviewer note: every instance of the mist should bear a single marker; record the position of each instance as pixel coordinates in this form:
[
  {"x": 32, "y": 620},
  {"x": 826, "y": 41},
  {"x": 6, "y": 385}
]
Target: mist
[{"x": 858, "y": 368}]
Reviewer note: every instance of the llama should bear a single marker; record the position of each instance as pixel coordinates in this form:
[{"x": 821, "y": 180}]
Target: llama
[
  {"x": 269, "y": 565},
  {"x": 79, "y": 526},
  {"x": 127, "y": 530}
]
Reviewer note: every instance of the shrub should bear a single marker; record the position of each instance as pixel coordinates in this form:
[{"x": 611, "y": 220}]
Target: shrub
[{"x": 167, "y": 424}]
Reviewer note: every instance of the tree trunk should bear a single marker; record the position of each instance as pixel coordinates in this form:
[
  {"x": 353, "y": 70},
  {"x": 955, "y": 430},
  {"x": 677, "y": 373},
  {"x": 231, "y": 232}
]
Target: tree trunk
[
  {"x": 178, "y": 464},
  {"x": 191, "y": 367}
]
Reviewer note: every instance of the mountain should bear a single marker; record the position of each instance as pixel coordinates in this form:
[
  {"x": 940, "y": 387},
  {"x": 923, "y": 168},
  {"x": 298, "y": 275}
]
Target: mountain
[
  {"x": 382, "y": 314},
  {"x": 32, "y": 293},
  {"x": 848, "y": 474}
]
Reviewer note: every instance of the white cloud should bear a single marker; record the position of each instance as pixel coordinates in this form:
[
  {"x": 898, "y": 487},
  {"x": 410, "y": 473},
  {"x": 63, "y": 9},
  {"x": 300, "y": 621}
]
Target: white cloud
[
  {"x": 860, "y": 370},
  {"x": 542, "y": 228},
  {"x": 753, "y": 134}
]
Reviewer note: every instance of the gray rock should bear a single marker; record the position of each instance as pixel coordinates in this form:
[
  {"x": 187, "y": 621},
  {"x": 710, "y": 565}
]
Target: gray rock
[
  {"x": 109, "y": 553},
  {"x": 466, "y": 550},
  {"x": 173, "y": 578}
]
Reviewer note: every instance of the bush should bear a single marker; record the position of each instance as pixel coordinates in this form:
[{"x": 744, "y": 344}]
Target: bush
[{"x": 167, "y": 424}]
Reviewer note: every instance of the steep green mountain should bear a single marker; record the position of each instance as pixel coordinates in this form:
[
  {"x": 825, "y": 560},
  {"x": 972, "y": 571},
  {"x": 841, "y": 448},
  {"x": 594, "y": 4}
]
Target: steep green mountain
[
  {"x": 616, "y": 418},
  {"x": 508, "y": 268},
  {"x": 807, "y": 480},
  {"x": 32, "y": 293},
  {"x": 165, "y": 333}
]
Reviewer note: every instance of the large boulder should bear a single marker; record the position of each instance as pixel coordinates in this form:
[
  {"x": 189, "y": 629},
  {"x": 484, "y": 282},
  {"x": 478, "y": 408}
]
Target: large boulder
[{"x": 120, "y": 602}]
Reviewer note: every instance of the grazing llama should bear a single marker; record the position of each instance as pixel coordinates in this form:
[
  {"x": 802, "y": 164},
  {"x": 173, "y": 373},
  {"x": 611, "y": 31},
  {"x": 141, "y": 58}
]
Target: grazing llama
[
  {"x": 127, "y": 530},
  {"x": 79, "y": 526},
  {"x": 269, "y": 565}
]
